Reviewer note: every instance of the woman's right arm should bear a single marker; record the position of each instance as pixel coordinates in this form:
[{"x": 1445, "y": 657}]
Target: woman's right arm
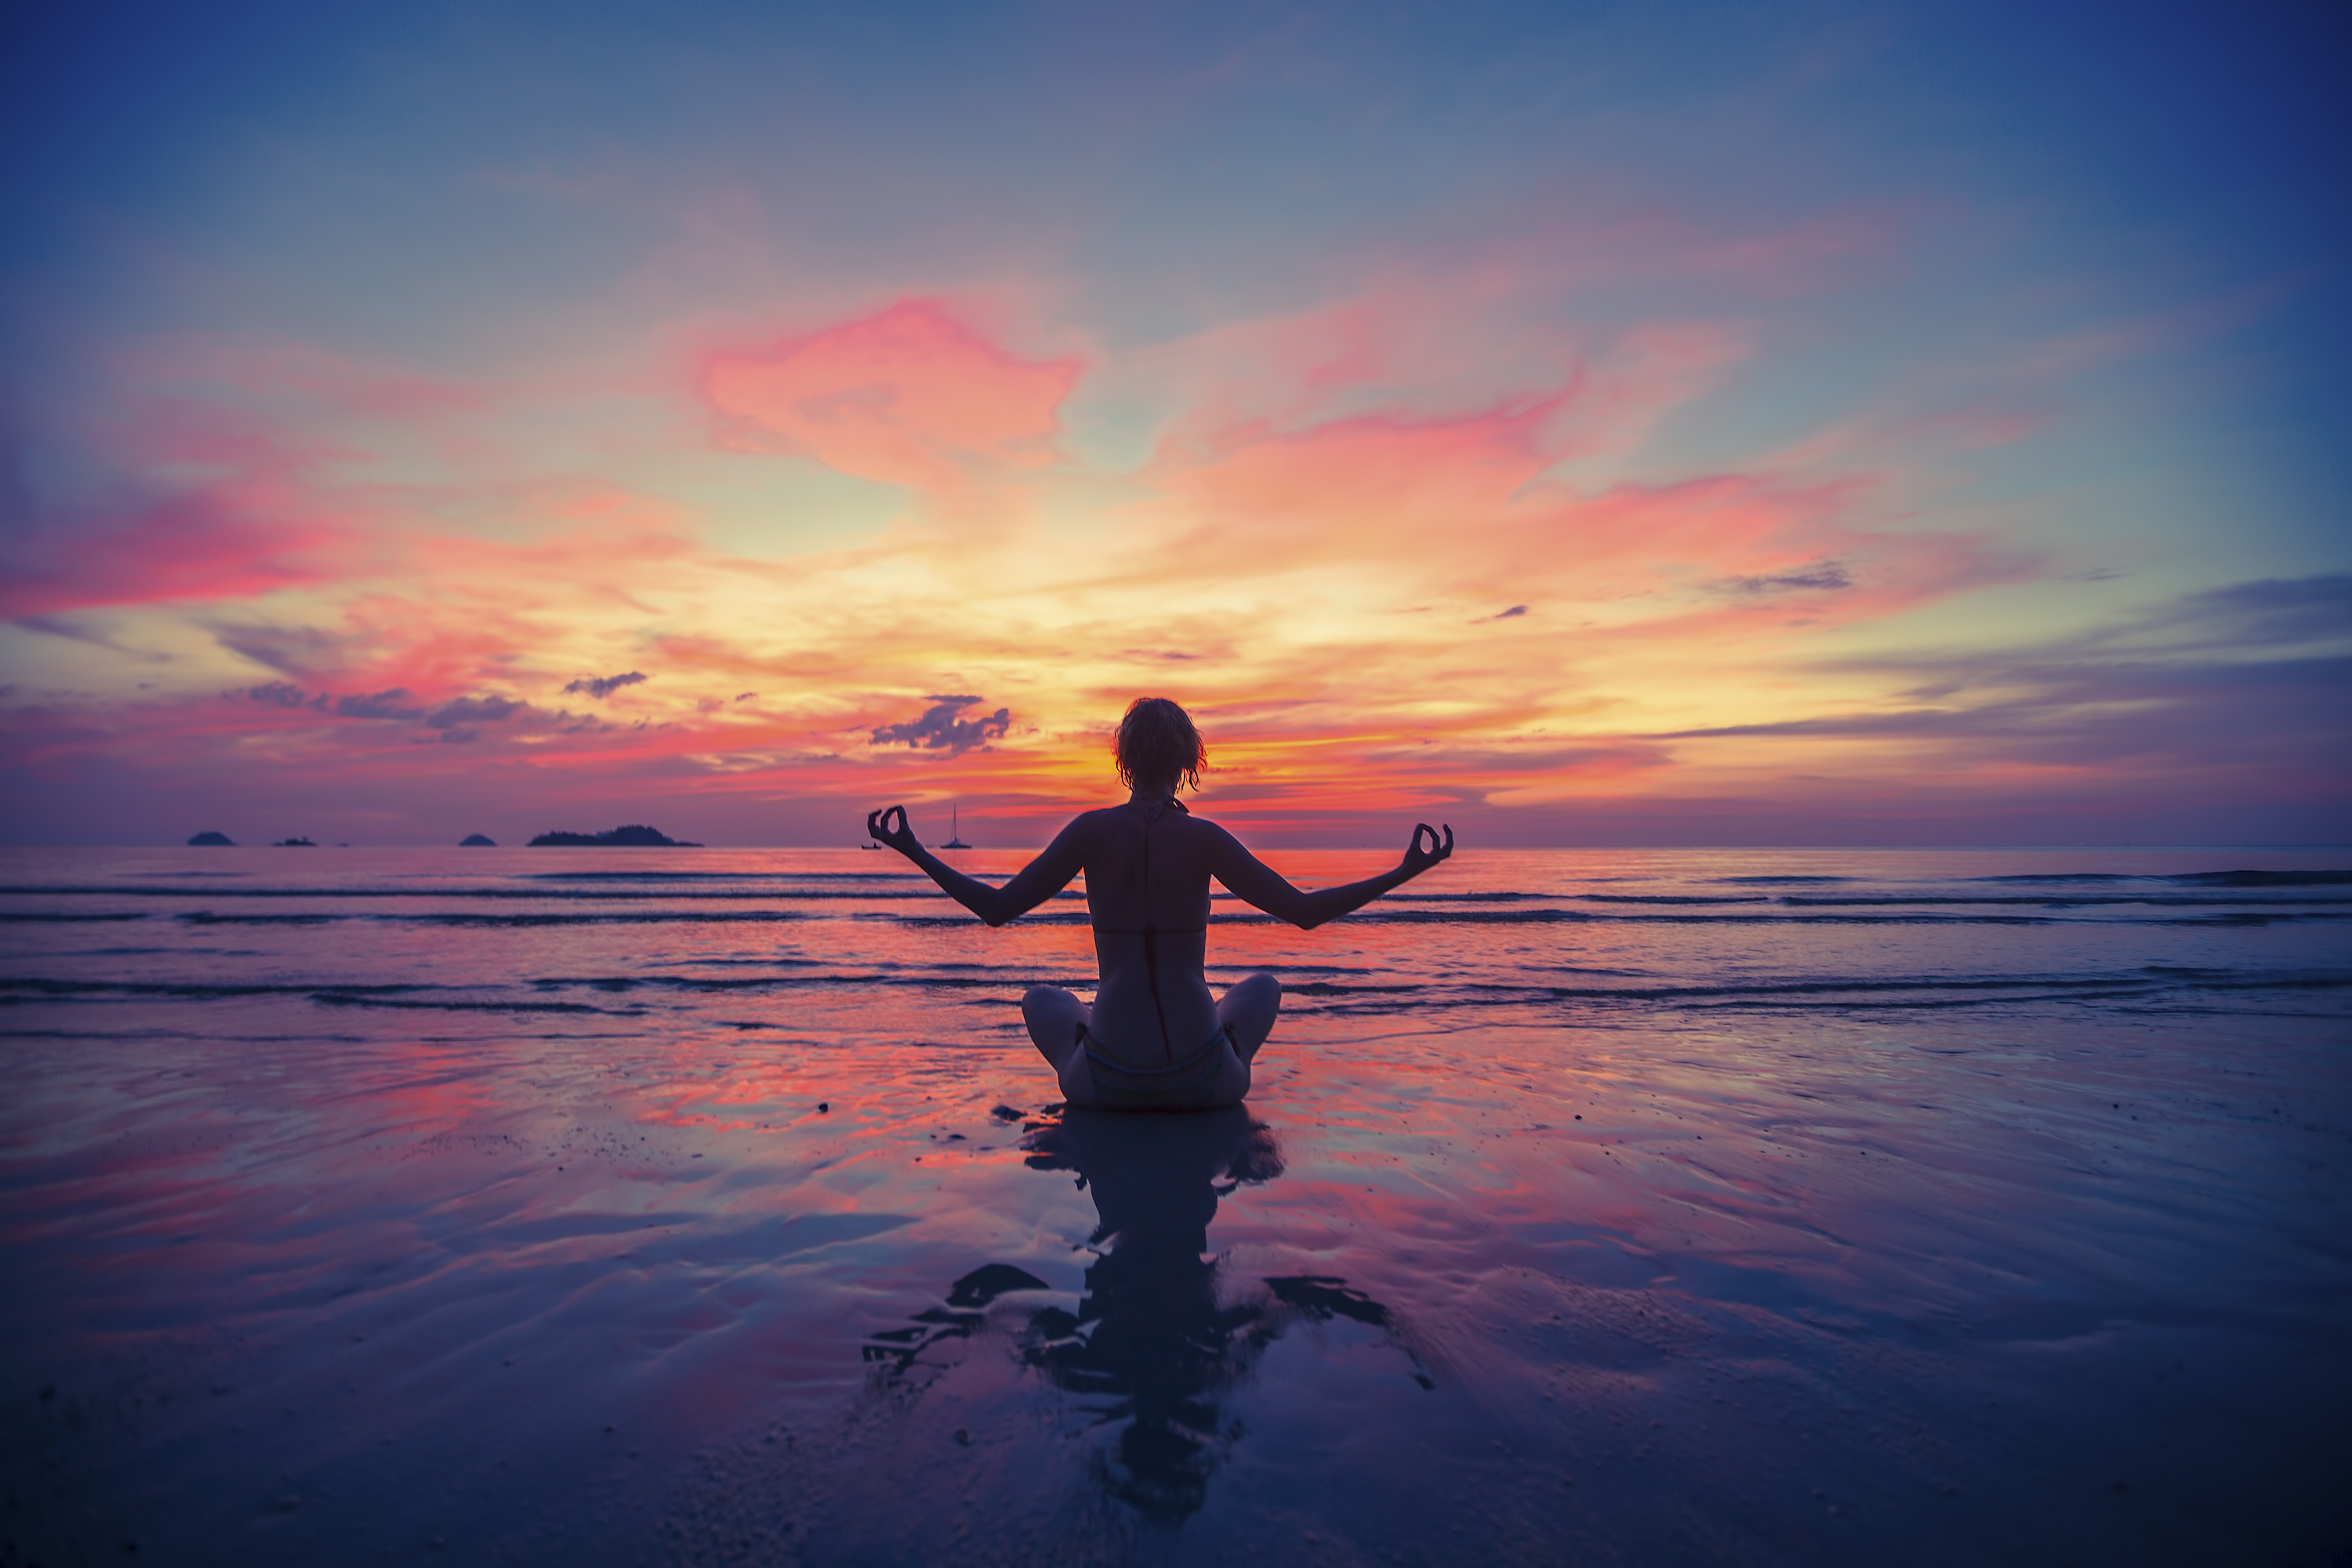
[
  {"x": 1037, "y": 881},
  {"x": 1254, "y": 881}
]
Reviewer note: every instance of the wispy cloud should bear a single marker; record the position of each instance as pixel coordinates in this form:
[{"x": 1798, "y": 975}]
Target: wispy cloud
[{"x": 1825, "y": 577}]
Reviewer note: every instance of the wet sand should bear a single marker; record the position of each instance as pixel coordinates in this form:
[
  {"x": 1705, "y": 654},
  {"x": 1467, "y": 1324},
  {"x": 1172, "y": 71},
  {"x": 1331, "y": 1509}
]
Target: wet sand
[{"x": 1946, "y": 1288}]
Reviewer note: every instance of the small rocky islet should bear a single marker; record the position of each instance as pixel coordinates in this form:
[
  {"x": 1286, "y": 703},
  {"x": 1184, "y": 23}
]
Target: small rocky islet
[{"x": 635, "y": 836}]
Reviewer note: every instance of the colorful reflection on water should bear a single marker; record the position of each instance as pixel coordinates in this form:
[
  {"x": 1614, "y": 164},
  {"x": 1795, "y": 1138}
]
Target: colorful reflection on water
[{"x": 711, "y": 1208}]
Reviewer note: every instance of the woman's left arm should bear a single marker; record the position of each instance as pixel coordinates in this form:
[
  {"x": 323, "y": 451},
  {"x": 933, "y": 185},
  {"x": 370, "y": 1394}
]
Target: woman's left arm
[
  {"x": 1037, "y": 881},
  {"x": 1255, "y": 882}
]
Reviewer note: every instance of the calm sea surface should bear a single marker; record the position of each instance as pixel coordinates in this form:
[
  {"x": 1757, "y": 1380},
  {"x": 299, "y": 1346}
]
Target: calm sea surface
[{"x": 707, "y": 1206}]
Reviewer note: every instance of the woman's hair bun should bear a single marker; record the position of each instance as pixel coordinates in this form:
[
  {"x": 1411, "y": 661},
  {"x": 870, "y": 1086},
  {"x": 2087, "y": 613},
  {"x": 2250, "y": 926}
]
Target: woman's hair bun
[{"x": 1158, "y": 740}]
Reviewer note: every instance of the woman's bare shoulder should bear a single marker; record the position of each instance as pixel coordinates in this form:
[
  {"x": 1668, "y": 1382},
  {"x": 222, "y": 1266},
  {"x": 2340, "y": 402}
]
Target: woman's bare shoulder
[{"x": 1208, "y": 834}]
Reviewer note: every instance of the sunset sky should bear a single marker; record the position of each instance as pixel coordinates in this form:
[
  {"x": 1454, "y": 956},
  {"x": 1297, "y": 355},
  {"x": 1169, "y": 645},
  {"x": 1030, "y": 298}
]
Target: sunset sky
[{"x": 1643, "y": 423}]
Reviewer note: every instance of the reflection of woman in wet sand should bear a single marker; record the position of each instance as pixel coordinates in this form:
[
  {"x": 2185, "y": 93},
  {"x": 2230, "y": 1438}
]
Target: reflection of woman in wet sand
[
  {"x": 1165, "y": 1328},
  {"x": 1155, "y": 1037}
]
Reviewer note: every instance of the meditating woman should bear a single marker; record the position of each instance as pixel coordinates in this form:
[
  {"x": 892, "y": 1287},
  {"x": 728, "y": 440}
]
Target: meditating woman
[{"x": 1155, "y": 1039}]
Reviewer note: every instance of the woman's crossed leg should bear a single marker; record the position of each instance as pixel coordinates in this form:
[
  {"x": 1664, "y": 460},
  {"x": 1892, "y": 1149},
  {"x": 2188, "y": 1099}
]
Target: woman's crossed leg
[{"x": 1058, "y": 1022}]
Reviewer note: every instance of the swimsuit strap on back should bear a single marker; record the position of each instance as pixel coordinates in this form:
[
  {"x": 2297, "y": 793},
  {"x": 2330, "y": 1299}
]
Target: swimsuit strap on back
[{"x": 1150, "y": 932}]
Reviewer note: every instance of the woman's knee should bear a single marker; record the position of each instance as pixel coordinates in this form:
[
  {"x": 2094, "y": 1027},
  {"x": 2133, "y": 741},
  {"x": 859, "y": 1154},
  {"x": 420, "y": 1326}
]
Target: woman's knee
[
  {"x": 1248, "y": 1012},
  {"x": 1258, "y": 995},
  {"x": 1053, "y": 1017},
  {"x": 1044, "y": 1003}
]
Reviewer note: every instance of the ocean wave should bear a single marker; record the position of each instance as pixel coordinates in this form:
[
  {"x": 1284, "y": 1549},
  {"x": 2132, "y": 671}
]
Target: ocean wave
[
  {"x": 349, "y": 999},
  {"x": 1835, "y": 994},
  {"x": 779, "y": 888},
  {"x": 29, "y": 988},
  {"x": 1777, "y": 881},
  {"x": 1419, "y": 898},
  {"x": 727, "y": 877},
  {"x": 444, "y": 917},
  {"x": 27, "y": 916},
  {"x": 1784, "y": 911},
  {"x": 1674, "y": 897},
  {"x": 2264, "y": 879},
  {"x": 2314, "y": 878},
  {"x": 2057, "y": 900},
  {"x": 1438, "y": 993}
]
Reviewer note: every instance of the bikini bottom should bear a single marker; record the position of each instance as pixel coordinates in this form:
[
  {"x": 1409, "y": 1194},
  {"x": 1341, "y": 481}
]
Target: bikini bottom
[{"x": 1188, "y": 1085}]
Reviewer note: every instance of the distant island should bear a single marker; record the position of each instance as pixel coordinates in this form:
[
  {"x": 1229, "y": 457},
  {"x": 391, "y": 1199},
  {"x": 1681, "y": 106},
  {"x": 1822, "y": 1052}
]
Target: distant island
[
  {"x": 635, "y": 835},
  {"x": 477, "y": 841},
  {"x": 296, "y": 842},
  {"x": 212, "y": 841}
]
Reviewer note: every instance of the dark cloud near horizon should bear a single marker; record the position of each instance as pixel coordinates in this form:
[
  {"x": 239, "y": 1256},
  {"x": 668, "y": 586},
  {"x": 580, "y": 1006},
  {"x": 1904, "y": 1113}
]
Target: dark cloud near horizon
[
  {"x": 393, "y": 703},
  {"x": 65, "y": 626},
  {"x": 940, "y": 729},
  {"x": 2269, "y": 612},
  {"x": 1819, "y": 577},
  {"x": 2255, "y": 678},
  {"x": 297, "y": 651},
  {"x": 463, "y": 711},
  {"x": 389, "y": 704},
  {"x": 457, "y": 718},
  {"x": 603, "y": 686},
  {"x": 286, "y": 694}
]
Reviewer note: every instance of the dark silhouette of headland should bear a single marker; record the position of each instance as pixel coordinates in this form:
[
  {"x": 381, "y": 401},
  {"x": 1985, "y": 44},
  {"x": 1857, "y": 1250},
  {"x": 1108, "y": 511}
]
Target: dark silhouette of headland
[
  {"x": 477, "y": 841},
  {"x": 212, "y": 841},
  {"x": 635, "y": 836}
]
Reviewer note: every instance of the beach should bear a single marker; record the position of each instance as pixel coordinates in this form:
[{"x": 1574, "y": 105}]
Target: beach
[{"x": 622, "y": 1205}]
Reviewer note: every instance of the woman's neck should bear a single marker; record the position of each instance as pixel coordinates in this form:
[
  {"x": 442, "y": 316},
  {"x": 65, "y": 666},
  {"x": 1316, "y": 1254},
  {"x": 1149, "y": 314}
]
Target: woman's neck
[{"x": 1153, "y": 793}]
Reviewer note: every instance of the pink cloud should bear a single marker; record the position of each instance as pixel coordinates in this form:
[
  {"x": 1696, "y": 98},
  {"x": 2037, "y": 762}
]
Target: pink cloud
[
  {"x": 1460, "y": 506},
  {"x": 909, "y": 396},
  {"x": 1425, "y": 347},
  {"x": 230, "y": 541}
]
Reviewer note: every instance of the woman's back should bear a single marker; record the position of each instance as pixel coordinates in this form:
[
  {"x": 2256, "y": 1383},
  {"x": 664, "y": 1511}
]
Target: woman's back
[{"x": 1147, "y": 865}]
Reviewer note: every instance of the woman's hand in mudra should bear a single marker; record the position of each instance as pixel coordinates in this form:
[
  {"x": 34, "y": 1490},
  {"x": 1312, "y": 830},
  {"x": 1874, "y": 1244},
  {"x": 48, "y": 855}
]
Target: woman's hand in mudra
[
  {"x": 901, "y": 838},
  {"x": 1416, "y": 858}
]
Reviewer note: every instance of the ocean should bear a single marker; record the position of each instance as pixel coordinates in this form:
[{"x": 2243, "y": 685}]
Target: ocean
[{"x": 648, "y": 1205}]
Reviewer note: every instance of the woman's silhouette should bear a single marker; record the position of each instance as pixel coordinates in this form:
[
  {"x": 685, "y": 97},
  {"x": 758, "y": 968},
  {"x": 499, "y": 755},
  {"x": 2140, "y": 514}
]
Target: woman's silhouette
[{"x": 1154, "y": 1039}]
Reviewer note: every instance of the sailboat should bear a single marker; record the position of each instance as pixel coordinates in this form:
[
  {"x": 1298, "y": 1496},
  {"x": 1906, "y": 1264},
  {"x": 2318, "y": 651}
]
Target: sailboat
[{"x": 955, "y": 839}]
